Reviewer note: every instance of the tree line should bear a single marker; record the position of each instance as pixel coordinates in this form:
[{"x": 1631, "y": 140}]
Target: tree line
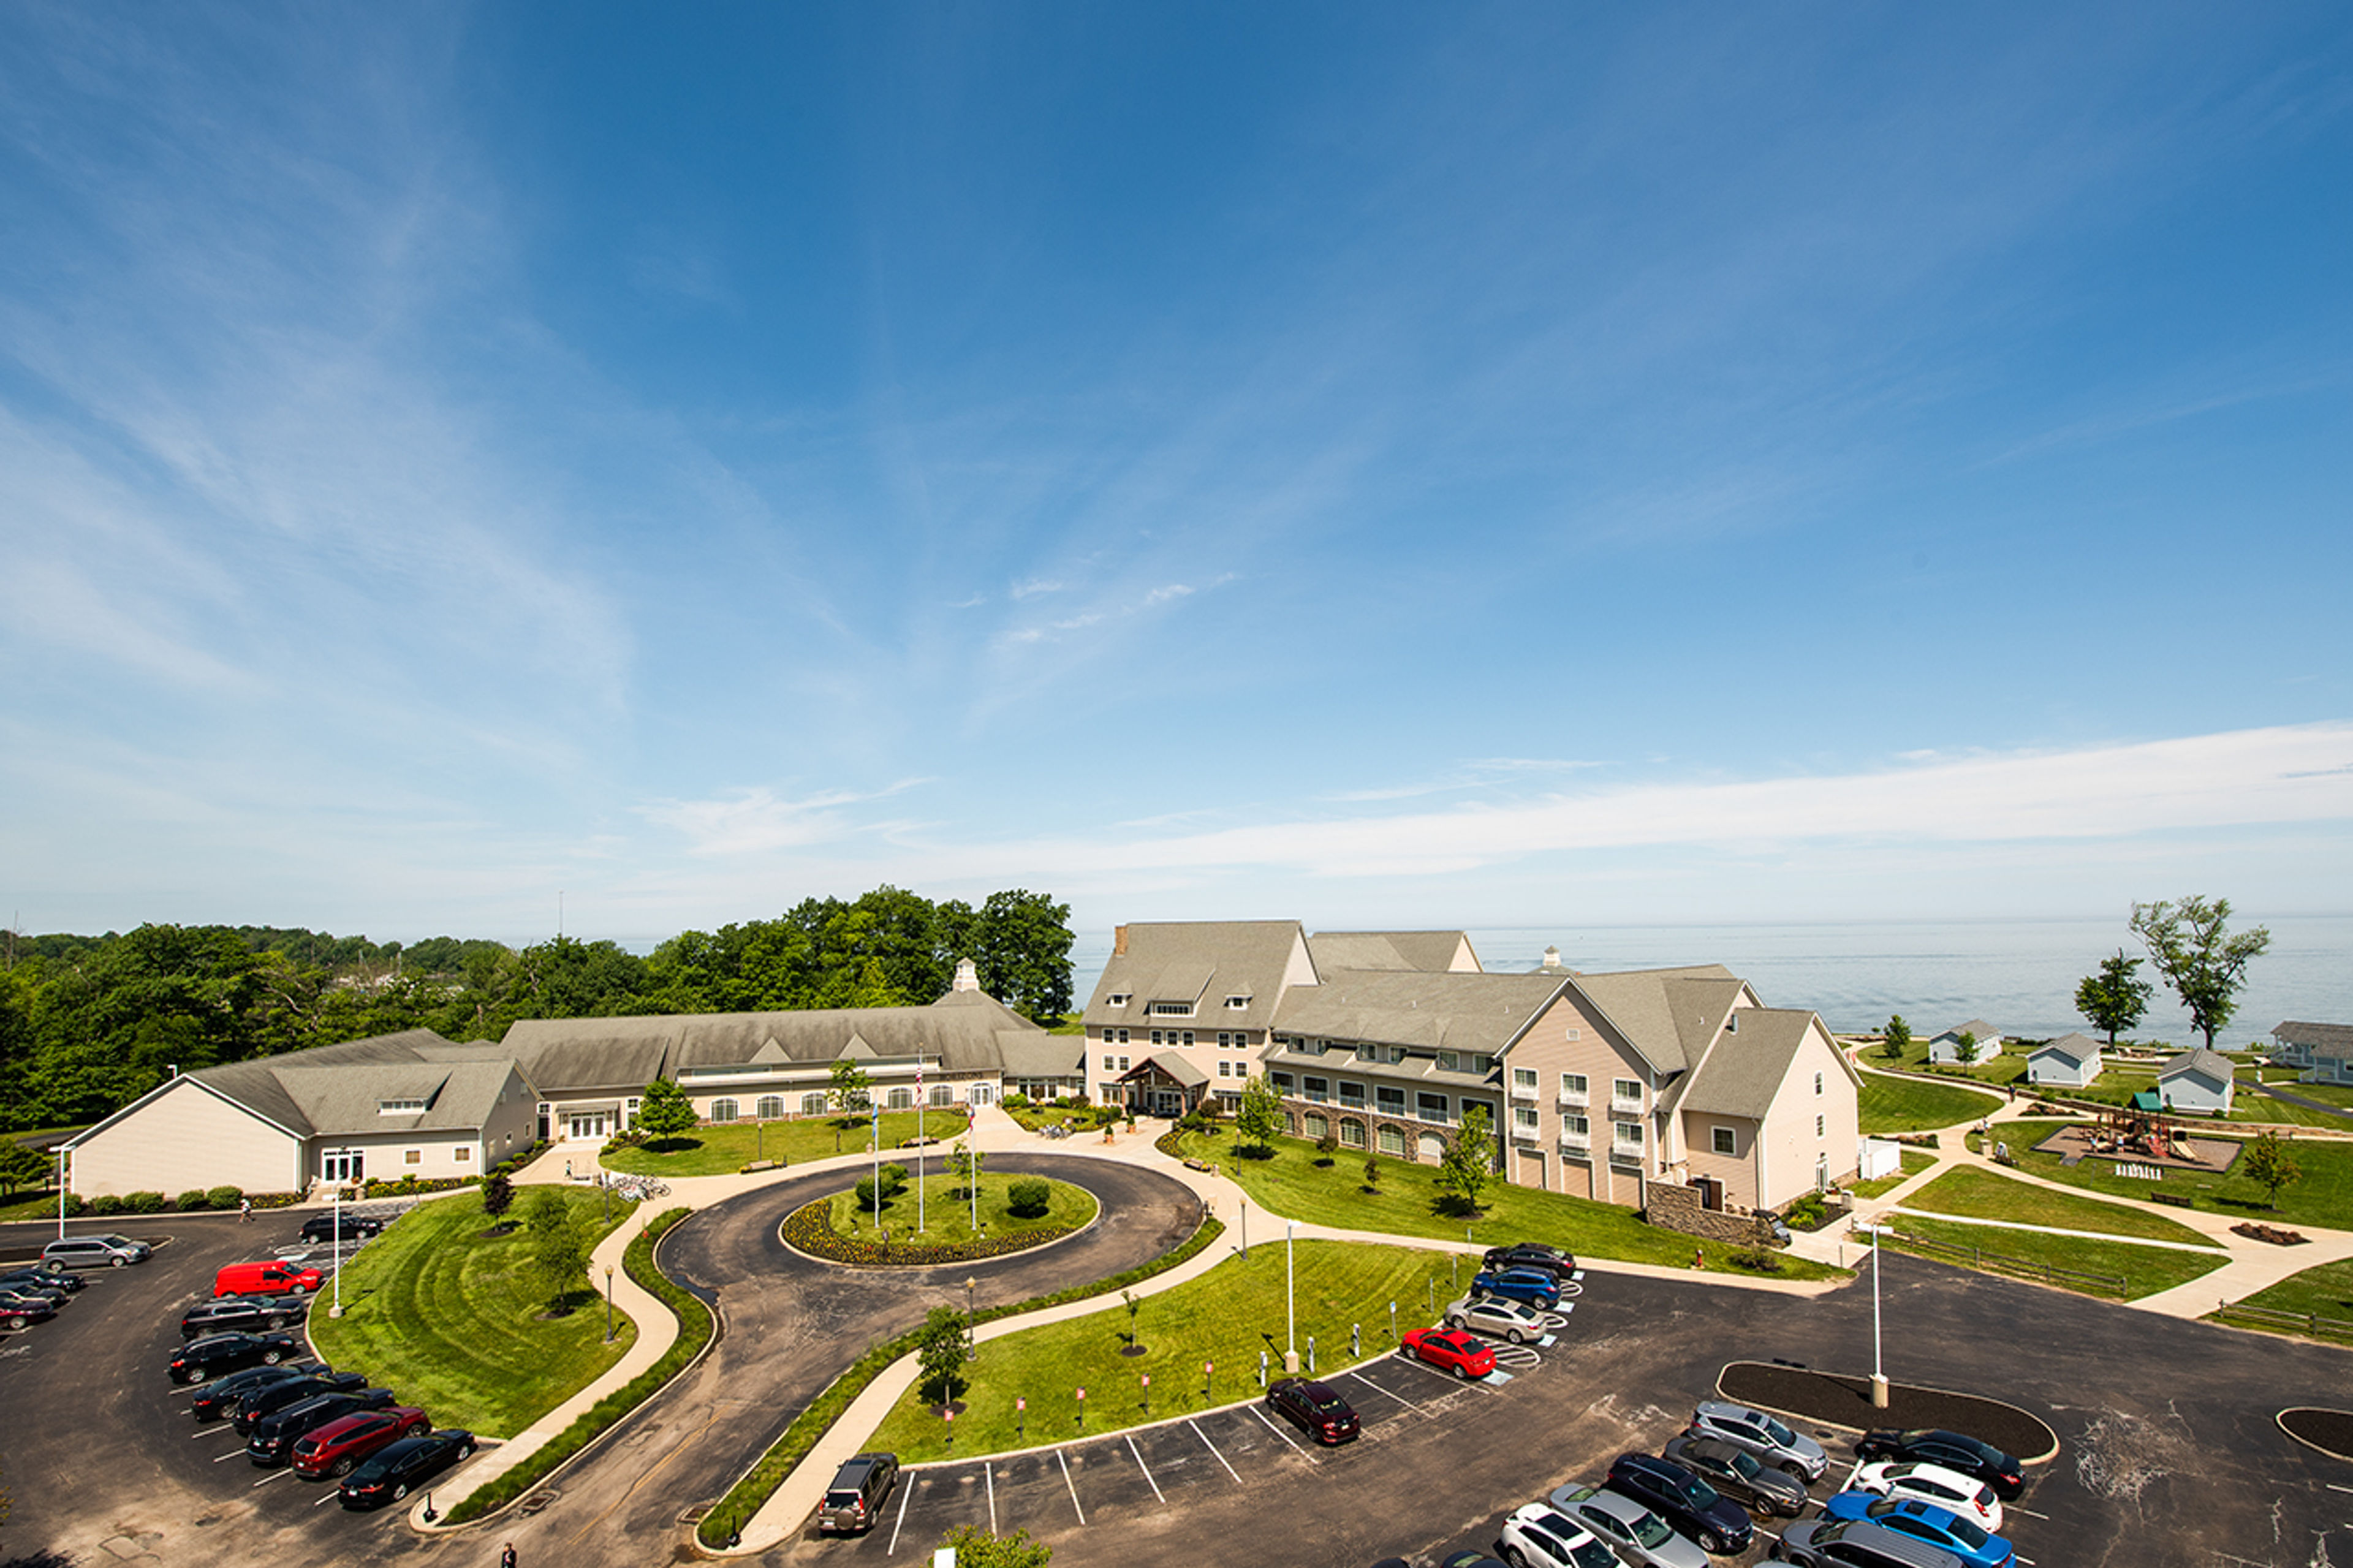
[{"x": 88, "y": 1024}]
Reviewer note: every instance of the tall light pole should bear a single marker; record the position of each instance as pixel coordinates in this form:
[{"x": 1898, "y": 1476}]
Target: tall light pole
[
  {"x": 1290, "y": 1303},
  {"x": 1878, "y": 1374},
  {"x": 876, "y": 1104},
  {"x": 61, "y": 1193},
  {"x": 337, "y": 1309},
  {"x": 919, "y": 1137}
]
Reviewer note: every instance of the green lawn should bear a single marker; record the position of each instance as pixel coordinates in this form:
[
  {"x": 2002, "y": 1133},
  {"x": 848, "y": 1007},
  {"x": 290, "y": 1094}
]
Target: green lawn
[
  {"x": 947, "y": 1214},
  {"x": 725, "y": 1147},
  {"x": 1906, "y": 1105},
  {"x": 1407, "y": 1203},
  {"x": 2327, "y": 1290},
  {"x": 1226, "y": 1316},
  {"x": 2251, "y": 1104},
  {"x": 2324, "y": 1197},
  {"x": 2146, "y": 1269},
  {"x": 449, "y": 1320},
  {"x": 1914, "y": 1162},
  {"x": 1981, "y": 1194},
  {"x": 1995, "y": 1069}
]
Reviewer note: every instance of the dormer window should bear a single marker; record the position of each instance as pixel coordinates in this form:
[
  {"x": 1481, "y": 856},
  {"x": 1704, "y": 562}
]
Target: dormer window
[
  {"x": 1732, "y": 1024},
  {"x": 399, "y": 1106},
  {"x": 1119, "y": 999},
  {"x": 1170, "y": 1009},
  {"x": 1450, "y": 1061},
  {"x": 1237, "y": 1003}
]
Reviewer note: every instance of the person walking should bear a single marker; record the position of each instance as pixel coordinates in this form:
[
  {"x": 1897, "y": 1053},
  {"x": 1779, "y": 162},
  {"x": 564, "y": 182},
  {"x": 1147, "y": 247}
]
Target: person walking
[
  {"x": 244, "y": 1210},
  {"x": 506, "y": 1558}
]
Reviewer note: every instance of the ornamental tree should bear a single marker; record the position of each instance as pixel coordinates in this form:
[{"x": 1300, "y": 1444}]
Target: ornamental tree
[
  {"x": 2116, "y": 998},
  {"x": 2191, "y": 944}
]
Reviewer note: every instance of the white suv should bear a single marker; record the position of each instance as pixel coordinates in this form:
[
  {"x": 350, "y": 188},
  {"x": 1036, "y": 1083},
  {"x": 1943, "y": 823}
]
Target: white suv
[
  {"x": 95, "y": 1252},
  {"x": 1538, "y": 1536}
]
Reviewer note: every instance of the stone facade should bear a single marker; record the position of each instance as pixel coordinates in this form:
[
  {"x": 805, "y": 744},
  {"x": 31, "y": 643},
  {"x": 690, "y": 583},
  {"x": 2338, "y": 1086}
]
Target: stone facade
[{"x": 1680, "y": 1208}]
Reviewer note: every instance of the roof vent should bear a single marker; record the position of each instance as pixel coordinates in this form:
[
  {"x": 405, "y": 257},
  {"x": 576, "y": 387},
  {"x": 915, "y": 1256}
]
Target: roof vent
[{"x": 968, "y": 977}]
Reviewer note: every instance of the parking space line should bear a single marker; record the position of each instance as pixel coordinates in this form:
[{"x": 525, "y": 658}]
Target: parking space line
[
  {"x": 1213, "y": 1449},
  {"x": 232, "y": 1454},
  {"x": 989, "y": 1475},
  {"x": 2029, "y": 1512},
  {"x": 1377, "y": 1388},
  {"x": 898, "y": 1523},
  {"x": 333, "y": 1494},
  {"x": 214, "y": 1431},
  {"x": 1280, "y": 1433},
  {"x": 2332, "y": 1486},
  {"x": 272, "y": 1476},
  {"x": 1072, "y": 1485},
  {"x": 1146, "y": 1469}
]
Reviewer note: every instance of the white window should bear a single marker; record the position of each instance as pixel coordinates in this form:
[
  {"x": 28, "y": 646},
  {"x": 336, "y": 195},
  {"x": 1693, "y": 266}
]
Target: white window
[
  {"x": 1352, "y": 1132},
  {"x": 1123, "y": 1063},
  {"x": 1524, "y": 1117},
  {"x": 1626, "y": 1093},
  {"x": 1721, "y": 1141},
  {"x": 813, "y": 1104},
  {"x": 1450, "y": 1061},
  {"x": 1237, "y": 1004},
  {"x": 1397, "y": 1055},
  {"x": 1392, "y": 1141},
  {"x": 942, "y": 1094},
  {"x": 1368, "y": 1053},
  {"x": 1390, "y": 1101},
  {"x": 398, "y": 1107},
  {"x": 1316, "y": 1126},
  {"x": 1574, "y": 1033},
  {"x": 1523, "y": 1080},
  {"x": 414, "y": 1157},
  {"x": 1225, "y": 1069},
  {"x": 722, "y": 1110},
  {"x": 1170, "y": 1009},
  {"x": 465, "y": 1153},
  {"x": 1122, "y": 1034},
  {"x": 1626, "y": 1134},
  {"x": 1483, "y": 1062},
  {"x": 1818, "y": 1083},
  {"x": 1572, "y": 1087},
  {"x": 1574, "y": 1129},
  {"x": 1107, "y": 1061},
  {"x": 771, "y": 1105},
  {"x": 1430, "y": 1107},
  {"x": 1187, "y": 1039},
  {"x": 1117, "y": 999},
  {"x": 1817, "y": 1126},
  {"x": 1318, "y": 1089},
  {"x": 1281, "y": 1080},
  {"x": 1351, "y": 1093}
]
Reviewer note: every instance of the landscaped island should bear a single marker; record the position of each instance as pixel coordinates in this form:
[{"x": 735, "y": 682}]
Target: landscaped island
[{"x": 1011, "y": 1213}]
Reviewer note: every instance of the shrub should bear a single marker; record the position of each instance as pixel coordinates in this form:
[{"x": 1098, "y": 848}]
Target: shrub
[
  {"x": 75, "y": 1207},
  {"x": 144, "y": 1203},
  {"x": 1327, "y": 1146},
  {"x": 1756, "y": 1260},
  {"x": 224, "y": 1197},
  {"x": 498, "y": 1195},
  {"x": 194, "y": 1199},
  {"x": 1029, "y": 1196},
  {"x": 1017, "y": 1101}
]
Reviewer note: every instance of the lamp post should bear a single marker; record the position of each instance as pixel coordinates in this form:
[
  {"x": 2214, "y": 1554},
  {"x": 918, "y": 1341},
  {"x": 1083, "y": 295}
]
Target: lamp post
[
  {"x": 337, "y": 1309},
  {"x": 62, "y": 1194},
  {"x": 877, "y": 1106},
  {"x": 1290, "y": 1303},
  {"x": 1878, "y": 1374},
  {"x": 971, "y": 1341},
  {"x": 919, "y": 1137},
  {"x": 609, "y": 1303}
]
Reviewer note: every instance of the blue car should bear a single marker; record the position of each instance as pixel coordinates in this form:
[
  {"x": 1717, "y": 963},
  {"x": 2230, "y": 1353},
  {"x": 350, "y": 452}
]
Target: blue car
[
  {"x": 1529, "y": 1285},
  {"x": 1925, "y": 1522}
]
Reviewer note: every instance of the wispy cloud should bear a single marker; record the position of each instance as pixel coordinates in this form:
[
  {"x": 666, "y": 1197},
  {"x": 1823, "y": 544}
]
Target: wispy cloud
[{"x": 757, "y": 821}]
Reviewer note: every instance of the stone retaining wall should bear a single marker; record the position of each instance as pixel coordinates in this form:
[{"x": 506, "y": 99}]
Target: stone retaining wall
[{"x": 1679, "y": 1208}]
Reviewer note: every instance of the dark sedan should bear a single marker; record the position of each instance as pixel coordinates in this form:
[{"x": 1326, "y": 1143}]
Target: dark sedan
[
  {"x": 26, "y": 1315},
  {"x": 1315, "y": 1409},
  {"x": 1540, "y": 1255},
  {"x": 39, "y": 1277},
  {"x": 31, "y": 1296},
  {"x": 274, "y": 1436},
  {"x": 219, "y": 1399},
  {"x": 1720, "y": 1525},
  {"x": 273, "y": 1397},
  {"x": 243, "y": 1314},
  {"x": 355, "y": 1227},
  {"x": 1953, "y": 1451},
  {"x": 201, "y": 1361},
  {"x": 1736, "y": 1472},
  {"x": 393, "y": 1472}
]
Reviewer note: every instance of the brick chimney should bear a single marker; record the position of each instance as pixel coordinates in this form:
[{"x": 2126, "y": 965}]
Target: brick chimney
[{"x": 1118, "y": 942}]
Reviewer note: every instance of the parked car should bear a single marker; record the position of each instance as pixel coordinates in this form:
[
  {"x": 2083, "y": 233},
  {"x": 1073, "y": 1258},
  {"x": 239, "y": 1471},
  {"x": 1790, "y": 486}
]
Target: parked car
[
  {"x": 15, "y": 1317},
  {"x": 201, "y": 1361},
  {"x": 1736, "y": 1472},
  {"x": 1687, "y": 1503},
  {"x": 1497, "y": 1317},
  {"x": 1955, "y": 1451},
  {"x": 1315, "y": 1409},
  {"x": 1539, "y": 1536},
  {"x": 392, "y": 1472},
  {"x": 1457, "y": 1352},
  {"x": 1534, "y": 1287},
  {"x": 269, "y": 1277},
  {"x": 1856, "y": 1543},
  {"x": 1937, "y": 1526},
  {"x": 353, "y": 1227},
  {"x": 28, "y": 1296},
  {"x": 1530, "y": 1254},
  {"x": 1632, "y": 1530},
  {"x": 220, "y": 1398},
  {"x": 1791, "y": 1452},
  {"x": 243, "y": 1314},
  {"x": 273, "y": 1438},
  {"x": 108, "y": 1251},
  {"x": 42, "y": 1277},
  {"x": 854, "y": 1501},
  {"x": 1948, "y": 1489},
  {"x": 273, "y": 1397},
  {"x": 334, "y": 1450}
]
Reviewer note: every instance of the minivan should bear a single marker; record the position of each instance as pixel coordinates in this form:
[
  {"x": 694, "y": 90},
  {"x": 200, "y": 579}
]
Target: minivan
[
  {"x": 854, "y": 1501},
  {"x": 94, "y": 1251},
  {"x": 271, "y": 1278}
]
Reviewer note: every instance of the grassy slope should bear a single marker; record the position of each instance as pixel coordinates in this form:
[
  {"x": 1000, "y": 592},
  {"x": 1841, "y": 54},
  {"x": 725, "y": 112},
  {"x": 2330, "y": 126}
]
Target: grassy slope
[
  {"x": 719, "y": 1149},
  {"x": 1226, "y": 1316},
  {"x": 947, "y": 1214},
  {"x": 449, "y": 1321},
  {"x": 2146, "y": 1269},
  {"x": 2327, "y": 1290},
  {"x": 2324, "y": 1197},
  {"x": 1981, "y": 1194},
  {"x": 1904, "y": 1105},
  {"x": 1406, "y": 1203}
]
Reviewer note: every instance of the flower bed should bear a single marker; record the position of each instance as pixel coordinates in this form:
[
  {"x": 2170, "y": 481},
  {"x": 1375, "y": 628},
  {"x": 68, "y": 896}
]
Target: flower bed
[{"x": 809, "y": 1230}]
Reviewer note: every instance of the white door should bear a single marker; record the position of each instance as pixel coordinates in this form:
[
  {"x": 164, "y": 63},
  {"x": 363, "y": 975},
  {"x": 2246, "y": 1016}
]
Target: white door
[{"x": 982, "y": 1095}]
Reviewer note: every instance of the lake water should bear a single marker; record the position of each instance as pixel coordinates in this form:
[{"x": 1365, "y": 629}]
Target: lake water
[{"x": 2019, "y": 976}]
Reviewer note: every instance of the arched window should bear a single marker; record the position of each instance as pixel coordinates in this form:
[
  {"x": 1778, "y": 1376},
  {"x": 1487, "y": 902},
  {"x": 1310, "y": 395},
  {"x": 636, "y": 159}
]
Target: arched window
[
  {"x": 772, "y": 1106},
  {"x": 1352, "y": 1132},
  {"x": 722, "y": 1110},
  {"x": 813, "y": 1104},
  {"x": 1316, "y": 1125},
  {"x": 1392, "y": 1141},
  {"x": 901, "y": 1099},
  {"x": 943, "y": 1095}
]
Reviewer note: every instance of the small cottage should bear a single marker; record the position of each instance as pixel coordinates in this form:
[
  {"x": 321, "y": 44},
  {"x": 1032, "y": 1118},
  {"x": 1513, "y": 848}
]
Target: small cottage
[
  {"x": 1947, "y": 1047},
  {"x": 2070, "y": 1061},
  {"x": 2195, "y": 1080}
]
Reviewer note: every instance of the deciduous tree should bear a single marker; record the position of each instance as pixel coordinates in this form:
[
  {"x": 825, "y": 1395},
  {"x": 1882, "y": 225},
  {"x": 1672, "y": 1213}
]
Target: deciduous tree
[
  {"x": 1259, "y": 1114},
  {"x": 2193, "y": 948},
  {"x": 2265, "y": 1160},
  {"x": 940, "y": 1351},
  {"x": 2116, "y": 998},
  {"x": 1469, "y": 1162},
  {"x": 848, "y": 1092},
  {"x": 1899, "y": 1036},
  {"x": 664, "y": 1111}
]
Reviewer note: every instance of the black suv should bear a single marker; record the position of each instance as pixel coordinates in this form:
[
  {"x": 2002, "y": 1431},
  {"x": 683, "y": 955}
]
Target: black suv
[
  {"x": 1682, "y": 1500},
  {"x": 45, "y": 1276},
  {"x": 220, "y": 1397},
  {"x": 1556, "y": 1261},
  {"x": 321, "y": 1227},
  {"x": 243, "y": 1314},
  {"x": 1988, "y": 1464},
  {"x": 271, "y": 1398},
  {"x": 854, "y": 1501},
  {"x": 201, "y": 1361},
  {"x": 272, "y": 1440}
]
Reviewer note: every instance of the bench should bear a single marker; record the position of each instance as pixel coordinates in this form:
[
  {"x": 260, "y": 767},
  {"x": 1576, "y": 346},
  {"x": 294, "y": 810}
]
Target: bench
[
  {"x": 1193, "y": 1164},
  {"x": 2173, "y": 1200},
  {"x": 757, "y": 1166}
]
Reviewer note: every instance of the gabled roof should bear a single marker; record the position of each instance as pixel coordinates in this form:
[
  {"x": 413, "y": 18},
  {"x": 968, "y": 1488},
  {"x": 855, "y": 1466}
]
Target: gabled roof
[
  {"x": 1171, "y": 1066},
  {"x": 1433, "y": 951},
  {"x": 1668, "y": 1016},
  {"x": 1035, "y": 1054},
  {"x": 2336, "y": 1039},
  {"x": 1742, "y": 1072},
  {"x": 1204, "y": 960},
  {"x": 2212, "y": 1064},
  {"x": 1978, "y": 1027},
  {"x": 1442, "y": 1011},
  {"x": 2076, "y": 1048}
]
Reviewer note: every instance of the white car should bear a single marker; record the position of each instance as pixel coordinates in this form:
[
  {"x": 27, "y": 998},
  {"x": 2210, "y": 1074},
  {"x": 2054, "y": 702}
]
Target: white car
[
  {"x": 1537, "y": 1537},
  {"x": 1498, "y": 1318},
  {"x": 1964, "y": 1496}
]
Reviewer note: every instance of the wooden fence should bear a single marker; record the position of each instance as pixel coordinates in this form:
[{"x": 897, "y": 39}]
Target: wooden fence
[
  {"x": 2311, "y": 1323},
  {"x": 2025, "y": 1267}
]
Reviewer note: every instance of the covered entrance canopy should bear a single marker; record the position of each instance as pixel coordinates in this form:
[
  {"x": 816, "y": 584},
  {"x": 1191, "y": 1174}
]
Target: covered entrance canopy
[{"x": 1161, "y": 1085}]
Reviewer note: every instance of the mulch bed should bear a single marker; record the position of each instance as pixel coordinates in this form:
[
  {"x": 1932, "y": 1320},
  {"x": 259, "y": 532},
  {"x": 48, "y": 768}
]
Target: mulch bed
[
  {"x": 2267, "y": 1233},
  {"x": 2330, "y": 1431},
  {"x": 1845, "y": 1401}
]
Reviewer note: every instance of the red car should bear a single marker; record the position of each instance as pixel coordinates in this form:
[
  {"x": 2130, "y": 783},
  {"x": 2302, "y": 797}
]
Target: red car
[
  {"x": 340, "y": 1443},
  {"x": 1463, "y": 1355}
]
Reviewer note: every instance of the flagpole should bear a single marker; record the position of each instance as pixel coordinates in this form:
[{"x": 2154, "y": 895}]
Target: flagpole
[{"x": 919, "y": 1137}]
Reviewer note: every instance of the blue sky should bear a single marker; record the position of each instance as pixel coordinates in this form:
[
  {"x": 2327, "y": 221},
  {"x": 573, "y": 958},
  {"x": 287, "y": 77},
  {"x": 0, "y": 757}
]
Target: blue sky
[{"x": 1382, "y": 464}]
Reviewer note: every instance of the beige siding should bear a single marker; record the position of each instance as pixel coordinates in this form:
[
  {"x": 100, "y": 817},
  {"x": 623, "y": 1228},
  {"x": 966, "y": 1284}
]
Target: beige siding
[
  {"x": 187, "y": 1137},
  {"x": 1597, "y": 1054},
  {"x": 1737, "y": 1170},
  {"x": 385, "y": 1156},
  {"x": 1792, "y": 1146}
]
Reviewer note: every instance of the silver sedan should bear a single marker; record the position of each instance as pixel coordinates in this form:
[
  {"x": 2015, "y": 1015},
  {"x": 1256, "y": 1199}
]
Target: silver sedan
[
  {"x": 1499, "y": 1319},
  {"x": 1639, "y": 1536}
]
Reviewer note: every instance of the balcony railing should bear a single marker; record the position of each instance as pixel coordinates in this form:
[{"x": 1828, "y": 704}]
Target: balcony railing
[
  {"x": 1431, "y": 1113},
  {"x": 1577, "y": 1099},
  {"x": 1318, "y": 1097},
  {"x": 1624, "y": 1107},
  {"x": 1524, "y": 1091},
  {"x": 1526, "y": 1135},
  {"x": 1575, "y": 1143}
]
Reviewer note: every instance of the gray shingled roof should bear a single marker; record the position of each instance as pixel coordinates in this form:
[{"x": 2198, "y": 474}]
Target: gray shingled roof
[
  {"x": 1034, "y": 1054},
  {"x": 1175, "y": 1067},
  {"x": 1744, "y": 1071},
  {"x": 1978, "y": 1027},
  {"x": 2213, "y": 1064},
  {"x": 1209, "y": 959},
  {"x": 2076, "y": 1048},
  {"x": 340, "y": 1101},
  {"x": 1431, "y": 951},
  {"x": 2333, "y": 1039},
  {"x": 1435, "y": 1011},
  {"x": 1668, "y": 1016}
]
